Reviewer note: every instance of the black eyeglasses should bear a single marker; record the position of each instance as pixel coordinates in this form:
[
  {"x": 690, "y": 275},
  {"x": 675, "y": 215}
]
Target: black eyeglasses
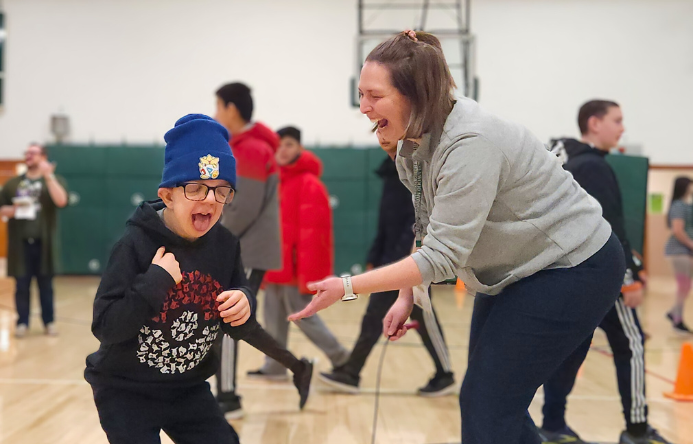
[{"x": 199, "y": 191}]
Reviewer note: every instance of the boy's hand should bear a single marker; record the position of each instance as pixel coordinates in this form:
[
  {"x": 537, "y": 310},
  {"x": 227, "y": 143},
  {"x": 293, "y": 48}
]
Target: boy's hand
[
  {"x": 168, "y": 262},
  {"x": 234, "y": 307},
  {"x": 633, "y": 298}
]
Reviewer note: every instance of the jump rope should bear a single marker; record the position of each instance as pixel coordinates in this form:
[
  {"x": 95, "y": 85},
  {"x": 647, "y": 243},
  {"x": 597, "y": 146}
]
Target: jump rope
[{"x": 412, "y": 325}]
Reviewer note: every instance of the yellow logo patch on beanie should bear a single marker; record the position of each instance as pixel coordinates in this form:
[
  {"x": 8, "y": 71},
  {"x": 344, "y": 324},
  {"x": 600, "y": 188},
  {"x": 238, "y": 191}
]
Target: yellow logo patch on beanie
[{"x": 209, "y": 167}]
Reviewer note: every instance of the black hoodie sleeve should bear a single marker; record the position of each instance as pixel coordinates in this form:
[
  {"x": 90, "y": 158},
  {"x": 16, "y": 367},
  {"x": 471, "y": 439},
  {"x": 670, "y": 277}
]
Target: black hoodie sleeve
[
  {"x": 240, "y": 282},
  {"x": 401, "y": 209},
  {"x": 599, "y": 180},
  {"x": 127, "y": 297},
  {"x": 395, "y": 223},
  {"x": 376, "y": 251},
  {"x": 405, "y": 241}
]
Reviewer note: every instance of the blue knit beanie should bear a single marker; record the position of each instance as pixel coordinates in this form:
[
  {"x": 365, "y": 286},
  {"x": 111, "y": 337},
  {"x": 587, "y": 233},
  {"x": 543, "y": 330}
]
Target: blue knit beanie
[{"x": 197, "y": 147}]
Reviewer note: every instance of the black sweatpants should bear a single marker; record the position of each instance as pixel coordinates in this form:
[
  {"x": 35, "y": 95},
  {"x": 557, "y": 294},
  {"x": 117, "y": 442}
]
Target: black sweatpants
[
  {"x": 519, "y": 338},
  {"x": 255, "y": 335},
  {"x": 187, "y": 416},
  {"x": 626, "y": 339},
  {"x": 372, "y": 329}
]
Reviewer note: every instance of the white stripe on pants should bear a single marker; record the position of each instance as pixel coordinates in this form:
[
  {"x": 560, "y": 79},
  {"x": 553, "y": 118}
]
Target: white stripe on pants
[
  {"x": 637, "y": 362},
  {"x": 228, "y": 358},
  {"x": 437, "y": 339},
  {"x": 228, "y": 367}
]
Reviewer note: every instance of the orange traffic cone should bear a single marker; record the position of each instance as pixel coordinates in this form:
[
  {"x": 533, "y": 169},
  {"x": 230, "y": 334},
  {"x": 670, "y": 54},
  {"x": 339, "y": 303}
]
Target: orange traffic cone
[
  {"x": 683, "y": 390},
  {"x": 460, "y": 292}
]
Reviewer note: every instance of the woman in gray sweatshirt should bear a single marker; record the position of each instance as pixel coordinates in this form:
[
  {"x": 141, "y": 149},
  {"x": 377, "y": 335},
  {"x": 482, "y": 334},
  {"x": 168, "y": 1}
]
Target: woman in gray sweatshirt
[{"x": 496, "y": 209}]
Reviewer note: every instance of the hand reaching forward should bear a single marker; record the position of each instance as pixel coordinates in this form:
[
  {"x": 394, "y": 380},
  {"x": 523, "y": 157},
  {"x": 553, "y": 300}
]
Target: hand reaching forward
[{"x": 329, "y": 291}]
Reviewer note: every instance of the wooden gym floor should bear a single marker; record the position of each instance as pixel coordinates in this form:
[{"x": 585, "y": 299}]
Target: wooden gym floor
[{"x": 44, "y": 399}]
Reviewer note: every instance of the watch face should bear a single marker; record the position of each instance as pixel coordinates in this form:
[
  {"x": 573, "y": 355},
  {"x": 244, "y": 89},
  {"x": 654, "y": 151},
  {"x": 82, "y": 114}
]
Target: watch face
[{"x": 351, "y": 297}]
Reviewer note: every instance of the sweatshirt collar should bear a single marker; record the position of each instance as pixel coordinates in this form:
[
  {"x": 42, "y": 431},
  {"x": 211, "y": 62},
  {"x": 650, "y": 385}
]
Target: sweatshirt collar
[{"x": 420, "y": 151}]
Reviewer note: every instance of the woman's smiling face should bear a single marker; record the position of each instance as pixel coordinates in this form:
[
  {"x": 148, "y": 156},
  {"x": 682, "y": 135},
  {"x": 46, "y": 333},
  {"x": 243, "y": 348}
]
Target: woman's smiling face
[{"x": 383, "y": 103}]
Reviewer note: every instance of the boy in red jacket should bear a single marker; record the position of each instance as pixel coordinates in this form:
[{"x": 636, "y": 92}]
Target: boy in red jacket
[
  {"x": 307, "y": 252},
  {"x": 253, "y": 216}
]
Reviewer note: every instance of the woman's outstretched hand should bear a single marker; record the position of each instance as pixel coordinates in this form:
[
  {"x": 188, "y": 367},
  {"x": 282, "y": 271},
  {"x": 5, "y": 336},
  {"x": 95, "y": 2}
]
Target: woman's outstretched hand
[
  {"x": 393, "y": 323},
  {"x": 329, "y": 291}
]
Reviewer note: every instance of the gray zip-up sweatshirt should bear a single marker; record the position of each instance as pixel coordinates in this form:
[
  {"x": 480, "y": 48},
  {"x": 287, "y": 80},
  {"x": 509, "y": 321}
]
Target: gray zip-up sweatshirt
[{"x": 496, "y": 205}]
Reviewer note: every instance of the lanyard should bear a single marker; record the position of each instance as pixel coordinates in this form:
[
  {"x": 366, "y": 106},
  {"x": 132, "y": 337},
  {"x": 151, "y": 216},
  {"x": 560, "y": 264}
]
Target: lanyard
[
  {"x": 418, "y": 226},
  {"x": 418, "y": 184}
]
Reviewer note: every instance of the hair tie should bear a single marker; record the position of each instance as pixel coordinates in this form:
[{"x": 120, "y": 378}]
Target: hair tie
[{"x": 411, "y": 34}]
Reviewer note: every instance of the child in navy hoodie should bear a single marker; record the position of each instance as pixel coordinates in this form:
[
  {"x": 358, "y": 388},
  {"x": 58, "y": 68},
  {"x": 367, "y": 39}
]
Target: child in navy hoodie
[{"x": 173, "y": 284}]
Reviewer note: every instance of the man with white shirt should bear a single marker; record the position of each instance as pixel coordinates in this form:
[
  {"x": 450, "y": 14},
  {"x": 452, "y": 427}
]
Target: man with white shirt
[{"x": 30, "y": 201}]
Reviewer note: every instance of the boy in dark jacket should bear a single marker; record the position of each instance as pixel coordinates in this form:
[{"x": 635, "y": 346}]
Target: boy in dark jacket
[
  {"x": 393, "y": 242},
  {"x": 601, "y": 126},
  {"x": 174, "y": 282}
]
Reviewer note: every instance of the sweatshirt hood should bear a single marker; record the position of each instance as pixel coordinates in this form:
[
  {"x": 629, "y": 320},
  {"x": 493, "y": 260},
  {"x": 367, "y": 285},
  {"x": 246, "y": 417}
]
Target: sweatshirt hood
[
  {"x": 258, "y": 131},
  {"x": 307, "y": 162}
]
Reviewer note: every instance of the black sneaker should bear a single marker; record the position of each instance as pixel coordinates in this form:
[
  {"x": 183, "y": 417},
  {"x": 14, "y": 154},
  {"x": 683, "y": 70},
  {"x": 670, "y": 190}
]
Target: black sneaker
[
  {"x": 440, "y": 385},
  {"x": 340, "y": 381},
  {"x": 259, "y": 374},
  {"x": 563, "y": 436},
  {"x": 679, "y": 327},
  {"x": 650, "y": 437},
  {"x": 302, "y": 379},
  {"x": 231, "y": 407},
  {"x": 682, "y": 328}
]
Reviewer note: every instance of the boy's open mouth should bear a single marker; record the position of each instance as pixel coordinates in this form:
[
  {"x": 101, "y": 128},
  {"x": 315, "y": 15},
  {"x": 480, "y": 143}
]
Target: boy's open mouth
[{"x": 201, "y": 221}]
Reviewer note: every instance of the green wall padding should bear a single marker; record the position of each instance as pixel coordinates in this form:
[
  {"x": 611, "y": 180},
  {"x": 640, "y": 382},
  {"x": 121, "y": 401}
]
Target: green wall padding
[
  {"x": 106, "y": 183},
  {"x": 631, "y": 173}
]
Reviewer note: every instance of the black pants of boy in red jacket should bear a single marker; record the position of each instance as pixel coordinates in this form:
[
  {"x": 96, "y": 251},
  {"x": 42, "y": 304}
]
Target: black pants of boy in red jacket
[{"x": 259, "y": 339}]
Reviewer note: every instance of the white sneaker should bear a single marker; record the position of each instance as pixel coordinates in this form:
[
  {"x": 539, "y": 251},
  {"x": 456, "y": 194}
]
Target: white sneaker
[
  {"x": 234, "y": 415},
  {"x": 51, "y": 329},
  {"x": 21, "y": 330}
]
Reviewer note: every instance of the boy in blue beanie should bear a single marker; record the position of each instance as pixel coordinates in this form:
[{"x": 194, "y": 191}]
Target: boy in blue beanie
[{"x": 173, "y": 284}]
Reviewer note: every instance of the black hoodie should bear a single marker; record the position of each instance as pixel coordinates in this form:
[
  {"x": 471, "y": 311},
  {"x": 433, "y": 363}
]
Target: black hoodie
[
  {"x": 395, "y": 237},
  {"x": 155, "y": 334},
  {"x": 590, "y": 169}
]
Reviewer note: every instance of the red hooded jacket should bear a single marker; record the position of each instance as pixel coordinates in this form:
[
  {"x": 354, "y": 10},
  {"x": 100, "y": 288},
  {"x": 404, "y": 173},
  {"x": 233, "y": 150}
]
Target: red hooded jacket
[
  {"x": 253, "y": 215},
  {"x": 306, "y": 224}
]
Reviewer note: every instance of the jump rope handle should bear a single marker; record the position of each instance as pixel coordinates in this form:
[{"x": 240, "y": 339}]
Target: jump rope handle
[{"x": 411, "y": 325}]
